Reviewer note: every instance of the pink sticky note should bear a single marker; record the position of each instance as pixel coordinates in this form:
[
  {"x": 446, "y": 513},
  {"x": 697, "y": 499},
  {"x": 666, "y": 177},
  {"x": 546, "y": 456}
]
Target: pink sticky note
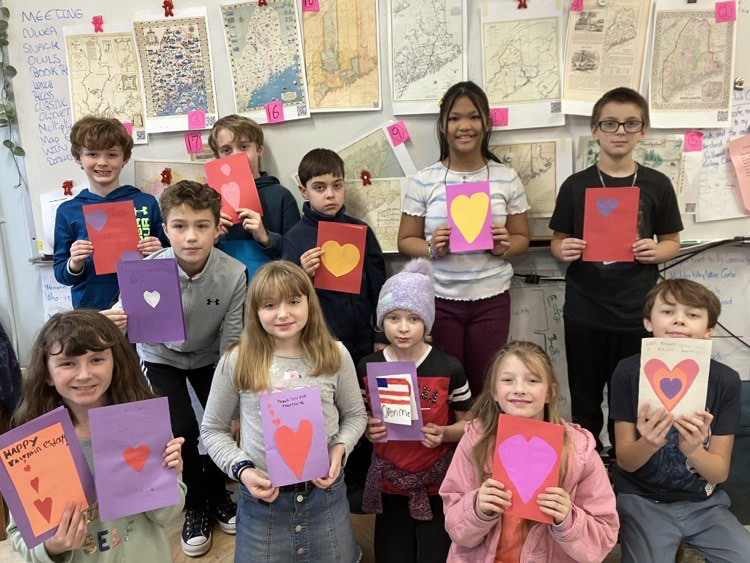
[
  {"x": 128, "y": 127},
  {"x": 194, "y": 143},
  {"x": 576, "y": 6},
  {"x": 196, "y": 119},
  {"x": 310, "y": 6},
  {"x": 499, "y": 117},
  {"x": 726, "y": 11},
  {"x": 398, "y": 133},
  {"x": 275, "y": 112},
  {"x": 693, "y": 141}
]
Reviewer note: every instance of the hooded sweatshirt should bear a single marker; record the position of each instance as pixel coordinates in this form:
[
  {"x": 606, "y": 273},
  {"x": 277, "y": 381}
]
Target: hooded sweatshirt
[{"x": 89, "y": 289}]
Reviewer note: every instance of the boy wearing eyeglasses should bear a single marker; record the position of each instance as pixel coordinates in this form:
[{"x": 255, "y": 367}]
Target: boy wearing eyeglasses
[{"x": 604, "y": 300}]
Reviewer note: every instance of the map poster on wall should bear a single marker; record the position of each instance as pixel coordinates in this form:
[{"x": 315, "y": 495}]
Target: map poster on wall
[
  {"x": 148, "y": 174},
  {"x": 342, "y": 56},
  {"x": 605, "y": 48},
  {"x": 692, "y": 59},
  {"x": 521, "y": 60},
  {"x": 379, "y": 205},
  {"x": 177, "y": 71},
  {"x": 265, "y": 52},
  {"x": 104, "y": 76},
  {"x": 542, "y": 167},
  {"x": 427, "y": 45}
]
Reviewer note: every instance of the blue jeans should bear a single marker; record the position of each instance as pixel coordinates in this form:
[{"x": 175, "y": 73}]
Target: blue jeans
[{"x": 309, "y": 527}]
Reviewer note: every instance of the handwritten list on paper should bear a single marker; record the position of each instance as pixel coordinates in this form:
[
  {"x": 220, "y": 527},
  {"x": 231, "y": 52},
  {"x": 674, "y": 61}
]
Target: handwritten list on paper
[{"x": 739, "y": 152}]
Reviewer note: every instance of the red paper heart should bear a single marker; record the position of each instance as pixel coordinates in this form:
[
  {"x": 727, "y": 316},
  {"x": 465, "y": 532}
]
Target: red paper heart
[
  {"x": 35, "y": 484},
  {"x": 136, "y": 457},
  {"x": 679, "y": 379},
  {"x": 294, "y": 447},
  {"x": 44, "y": 507},
  {"x": 27, "y": 468}
]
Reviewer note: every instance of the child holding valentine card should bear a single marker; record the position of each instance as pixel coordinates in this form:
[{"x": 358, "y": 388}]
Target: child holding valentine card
[
  {"x": 406, "y": 529},
  {"x": 212, "y": 285},
  {"x": 668, "y": 468},
  {"x": 603, "y": 300},
  {"x": 520, "y": 382},
  {"x": 101, "y": 147},
  {"x": 350, "y": 316},
  {"x": 235, "y": 134},
  {"x": 285, "y": 345},
  {"x": 82, "y": 361},
  {"x": 472, "y": 309}
]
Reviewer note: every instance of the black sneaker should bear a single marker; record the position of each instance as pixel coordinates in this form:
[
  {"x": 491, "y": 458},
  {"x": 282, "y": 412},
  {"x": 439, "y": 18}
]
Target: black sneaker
[
  {"x": 224, "y": 510},
  {"x": 196, "y": 532}
]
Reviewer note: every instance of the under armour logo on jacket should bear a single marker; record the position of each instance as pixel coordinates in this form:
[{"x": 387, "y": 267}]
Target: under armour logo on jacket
[{"x": 215, "y": 301}]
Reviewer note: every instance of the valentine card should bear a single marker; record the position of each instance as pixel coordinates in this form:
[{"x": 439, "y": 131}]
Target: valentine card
[
  {"x": 392, "y": 391},
  {"x": 470, "y": 216},
  {"x": 43, "y": 469},
  {"x": 151, "y": 298},
  {"x": 527, "y": 461},
  {"x": 295, "y": 435},
  {"x": 674, "y": 374},
  {"x": 113, "y": 230},
  {"x": 343, "y": 246},
  {"x": 610, "y": 221},
  {"x": 233, "y": 179},
  {"x": 128, "y": 443}
]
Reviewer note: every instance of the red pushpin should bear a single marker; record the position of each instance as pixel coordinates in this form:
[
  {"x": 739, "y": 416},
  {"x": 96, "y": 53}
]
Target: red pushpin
[
  {"x": 168, "y": 6},
  {"x": 67, "y": 187},
  {"x": 166, "y": 176},
  {"x": 97, "y": 21},
  {"x": 366, "y": 178}
]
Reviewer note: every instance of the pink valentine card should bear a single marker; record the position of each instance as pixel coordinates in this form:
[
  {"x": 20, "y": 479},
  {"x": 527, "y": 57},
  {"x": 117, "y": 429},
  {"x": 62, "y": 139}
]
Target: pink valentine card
[
  {"x": 113, "y": 230},
  {"x": 470, "y": 216},
  {"x": 295, "y": 435},
  {"x": 674, "y": 374},
  {"x": 610, "y": 222},
  {"x": 527, "y": 461},
  {"x": 233, "y": 179}
]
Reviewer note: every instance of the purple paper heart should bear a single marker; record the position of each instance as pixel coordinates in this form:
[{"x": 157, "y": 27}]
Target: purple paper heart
[
  {"x": 670, "y": 387},
  {"x": 526, "y": 463},
  {"x": 606, "y": 205},
  {"x": 97, "y": 219},
  {"x": 130, "y": 255}
]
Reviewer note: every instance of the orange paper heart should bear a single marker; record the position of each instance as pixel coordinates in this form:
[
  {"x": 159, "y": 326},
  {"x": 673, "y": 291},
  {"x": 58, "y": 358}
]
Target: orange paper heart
[
  {"x": 670, "y": 386},
  {"x": 294, "y": 447}
]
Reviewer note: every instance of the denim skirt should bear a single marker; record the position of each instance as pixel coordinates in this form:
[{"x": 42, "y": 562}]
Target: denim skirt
[{"x": 313, "y": 526}]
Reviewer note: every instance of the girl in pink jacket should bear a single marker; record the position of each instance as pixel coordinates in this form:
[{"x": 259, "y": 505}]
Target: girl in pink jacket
[{"x": 521, "y": 382}]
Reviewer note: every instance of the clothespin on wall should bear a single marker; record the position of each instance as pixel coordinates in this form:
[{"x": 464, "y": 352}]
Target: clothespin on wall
[
  {"x": 97, "y": 21},
  {"x": 168, "y": 8}
]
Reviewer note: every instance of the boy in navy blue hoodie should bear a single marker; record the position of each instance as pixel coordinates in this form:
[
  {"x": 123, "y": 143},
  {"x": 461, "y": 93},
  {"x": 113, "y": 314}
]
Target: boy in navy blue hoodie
[
  {"x": 102, "y": 147},
  {"x": 350, "y": 316}
]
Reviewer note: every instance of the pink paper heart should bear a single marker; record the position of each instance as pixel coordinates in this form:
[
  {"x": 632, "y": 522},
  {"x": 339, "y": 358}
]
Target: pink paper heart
[
  {"x": 97, "y": 219},
  {"x": 527, "y": 463},
  {"x": 225, "y": 169},
  {"x": 231, "y": 193}
]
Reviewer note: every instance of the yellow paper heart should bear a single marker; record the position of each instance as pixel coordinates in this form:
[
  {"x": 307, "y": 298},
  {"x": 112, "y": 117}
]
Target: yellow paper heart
[
  {"x": 469, "y": 214},
  {"x": 339, "y": 260}
]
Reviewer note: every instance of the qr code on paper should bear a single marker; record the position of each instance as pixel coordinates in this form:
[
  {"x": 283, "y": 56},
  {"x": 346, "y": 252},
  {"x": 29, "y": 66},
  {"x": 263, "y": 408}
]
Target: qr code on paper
[
  {"x": 722, "y": 115},
  {"x": 555, "y": 107},
  {"x": 690, "y": 208},
  {"x": 140, "y": 135},
  {"x": 301, "y": 110},
  {"x": 210, "y": 120}
]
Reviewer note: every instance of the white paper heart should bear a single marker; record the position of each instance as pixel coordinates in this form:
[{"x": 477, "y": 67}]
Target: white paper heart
[
  {"x": 152, "y": 298},
  {"x": 226, "y": 169}
]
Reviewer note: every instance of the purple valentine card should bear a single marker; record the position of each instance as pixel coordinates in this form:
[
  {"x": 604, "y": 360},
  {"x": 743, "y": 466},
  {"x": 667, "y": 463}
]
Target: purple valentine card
[
  {"x": 151, "y": 298},
  {"x": 393, "y": 386},
  {"x": 295, "y": 435},
  {"x": 470, "y": 216},
  {"x": 43, "y": 469},
  {"x": 128, "y": 443}
]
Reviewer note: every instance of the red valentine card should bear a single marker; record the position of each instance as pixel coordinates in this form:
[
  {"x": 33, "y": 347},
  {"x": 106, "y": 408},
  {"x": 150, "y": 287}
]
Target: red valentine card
[
  {"x": 113, "y": 230},
  {"x": 343, "y": 248},
  {"x": 610, "y": 221},
  {"x": 234, "y": 181},
  {"x": 527, "y": 461}
]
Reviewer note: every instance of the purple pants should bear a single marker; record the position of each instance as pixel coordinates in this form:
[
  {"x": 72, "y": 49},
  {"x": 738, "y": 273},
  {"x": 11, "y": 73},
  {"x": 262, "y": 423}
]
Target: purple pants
[{"x": 471, "y": 332}]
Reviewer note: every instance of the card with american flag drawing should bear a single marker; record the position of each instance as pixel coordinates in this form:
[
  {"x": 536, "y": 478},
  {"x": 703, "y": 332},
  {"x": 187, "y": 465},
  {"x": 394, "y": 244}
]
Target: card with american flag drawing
[{"x": 393, "y": 393}]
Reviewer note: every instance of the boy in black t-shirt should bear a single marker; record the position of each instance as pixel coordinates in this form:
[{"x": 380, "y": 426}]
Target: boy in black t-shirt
[
  {"x": 603, "y": 300},
  {"x": 668, "y": 468}
]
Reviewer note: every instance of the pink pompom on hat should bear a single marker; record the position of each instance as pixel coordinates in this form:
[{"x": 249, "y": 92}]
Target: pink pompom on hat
[{"x": 410, "y": 290}]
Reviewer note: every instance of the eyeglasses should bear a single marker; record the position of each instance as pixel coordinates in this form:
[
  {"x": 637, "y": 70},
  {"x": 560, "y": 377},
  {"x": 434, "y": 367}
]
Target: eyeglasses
[{"x": 612, "y": 126}]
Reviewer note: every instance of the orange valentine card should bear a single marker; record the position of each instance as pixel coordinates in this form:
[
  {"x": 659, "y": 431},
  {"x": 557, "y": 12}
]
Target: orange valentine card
[
  {"x": 113, "y": 230},
  {"x": 610, "y": 221},
  {"x": 233, "y": 179},
  {"x": 526, "y": 462},
  {"x": 343, "y": 246}
]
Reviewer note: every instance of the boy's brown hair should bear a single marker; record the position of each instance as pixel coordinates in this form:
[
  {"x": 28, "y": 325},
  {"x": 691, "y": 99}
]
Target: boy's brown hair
[
  {"x": 685, "y": 292},
  {"x": 620, "y": 95},
  {"x": 99, "y": 133},
  {"x": 319, "y": 162},
  {"x": 241, "y": 127},
  {"x": 193, "y": 194}
]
